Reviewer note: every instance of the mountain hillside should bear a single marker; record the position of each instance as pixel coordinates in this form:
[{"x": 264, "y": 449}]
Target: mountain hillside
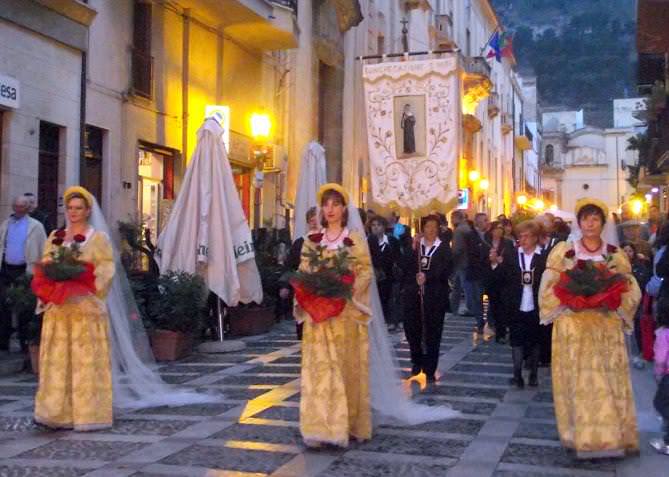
[{"x": 582, "y": 51}]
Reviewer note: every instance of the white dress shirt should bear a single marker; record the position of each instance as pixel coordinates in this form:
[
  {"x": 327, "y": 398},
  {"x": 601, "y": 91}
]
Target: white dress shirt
[{"x": 527, "y": 301}]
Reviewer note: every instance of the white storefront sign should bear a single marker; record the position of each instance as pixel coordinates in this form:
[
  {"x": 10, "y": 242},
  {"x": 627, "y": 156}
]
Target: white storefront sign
[{"x": 9, "y": 92}]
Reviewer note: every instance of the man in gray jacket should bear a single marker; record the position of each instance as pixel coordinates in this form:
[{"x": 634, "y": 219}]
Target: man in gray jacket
[
  {"x": 22, "y": 241},
  {"x": 460, "y": 230}
]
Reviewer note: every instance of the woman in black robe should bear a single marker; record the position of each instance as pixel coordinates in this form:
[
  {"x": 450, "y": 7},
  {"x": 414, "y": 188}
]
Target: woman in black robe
[{"x": 424, "y": 322}]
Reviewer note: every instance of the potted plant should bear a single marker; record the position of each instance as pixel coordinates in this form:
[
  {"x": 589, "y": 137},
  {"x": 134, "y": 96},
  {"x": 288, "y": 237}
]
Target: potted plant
[
  {"x": 253, "y": 318},
  {"x": 21, "y": 300},
  {"x": 175, "y": 314}
]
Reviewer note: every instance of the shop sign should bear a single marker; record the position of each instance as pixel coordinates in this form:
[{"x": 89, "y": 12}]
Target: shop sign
[
  {"x": 240, "y": 150},
  {"x": 10, "y": 92}
]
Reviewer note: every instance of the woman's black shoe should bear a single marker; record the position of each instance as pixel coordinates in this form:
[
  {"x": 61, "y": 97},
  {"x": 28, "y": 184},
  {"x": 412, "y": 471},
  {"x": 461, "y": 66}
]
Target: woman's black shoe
[
  {"x": 518, "y": 382},
  {"x": 534, "y": 381}
]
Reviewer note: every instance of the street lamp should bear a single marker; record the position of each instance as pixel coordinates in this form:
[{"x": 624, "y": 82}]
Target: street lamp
[
  {"x": 484, "y": 184},
  {"x": 261, "y": 126},
  {"x": 538, "y": 204},
  {"x": 474, "y": 176},
  {"x": 521, "y": 200}
]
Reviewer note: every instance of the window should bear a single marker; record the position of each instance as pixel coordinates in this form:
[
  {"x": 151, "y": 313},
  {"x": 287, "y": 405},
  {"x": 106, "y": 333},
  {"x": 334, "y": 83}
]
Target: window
[
  {"x": 380, "y": 45},
  {"x": 142, "y": 61},
  {"x": 468, "y": 43},
  {"x": 47, "y": 172},
  {"x": 549, "y": 156},
  {"x": 91, "y": 163}
]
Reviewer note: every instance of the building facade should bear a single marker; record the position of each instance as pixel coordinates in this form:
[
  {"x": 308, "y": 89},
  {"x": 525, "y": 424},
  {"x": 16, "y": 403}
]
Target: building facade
[
  {"x": 584, "y": 161},
  {"x": 42, "y": 78},
  {"x": 112, "y": 95}
]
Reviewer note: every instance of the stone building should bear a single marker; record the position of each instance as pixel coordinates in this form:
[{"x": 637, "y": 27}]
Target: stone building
[
  {"x": 585, "y": 161},
  {"x": 112, "y": 94}
]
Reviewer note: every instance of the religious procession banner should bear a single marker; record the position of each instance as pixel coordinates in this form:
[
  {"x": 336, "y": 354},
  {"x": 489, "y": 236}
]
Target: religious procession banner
[{"x": 413, "y": 129}]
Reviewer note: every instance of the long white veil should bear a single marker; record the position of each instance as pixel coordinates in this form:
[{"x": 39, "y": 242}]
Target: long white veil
[
  {"x": 135, "y": 382},
  {"x": 388, "y": 398}
]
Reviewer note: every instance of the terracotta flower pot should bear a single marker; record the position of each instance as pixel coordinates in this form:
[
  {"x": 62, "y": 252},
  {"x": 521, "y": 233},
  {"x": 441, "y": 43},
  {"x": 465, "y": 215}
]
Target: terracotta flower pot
[
  {"x": 33, "y": 350},
  {"x": 171, "y": 345},
  {"x": 251, "y": 321}
]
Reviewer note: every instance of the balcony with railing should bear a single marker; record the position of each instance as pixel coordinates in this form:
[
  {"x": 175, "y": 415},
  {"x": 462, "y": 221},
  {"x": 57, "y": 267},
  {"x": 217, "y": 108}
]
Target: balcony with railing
[
  {"x": 476, "y": 82},
  {"x": 507, "y": 123},
  {"x": 493, "y": 104},
  {"x": 523, "y": 137}
]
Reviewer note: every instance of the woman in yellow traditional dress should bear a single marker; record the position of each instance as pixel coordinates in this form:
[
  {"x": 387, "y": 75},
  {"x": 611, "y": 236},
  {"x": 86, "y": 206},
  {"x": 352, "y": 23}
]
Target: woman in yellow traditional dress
[
  {"x": 75, "y": 380},
  {"x": 592, "y": 392},
  {"x": 335, "y": 400}
]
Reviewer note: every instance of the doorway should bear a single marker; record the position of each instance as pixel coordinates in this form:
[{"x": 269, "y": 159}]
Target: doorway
[{"x": 48, "y": 168}]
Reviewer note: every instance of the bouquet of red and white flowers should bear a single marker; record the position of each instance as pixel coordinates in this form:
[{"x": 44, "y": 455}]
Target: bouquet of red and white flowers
[
  {"x": 65, "y": 275},
  {"x": 323, "y": 289},
  {"x": 591, "y": 285}
]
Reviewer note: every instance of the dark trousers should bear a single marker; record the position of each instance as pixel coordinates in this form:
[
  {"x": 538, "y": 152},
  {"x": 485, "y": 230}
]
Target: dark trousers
[
  {"x": 8, "y": 275},
  {"x": 661, "y": 403},
  {"x": 497, "y": 312},
  {"x": 386, "y": 295},
  {"x": 475, "y": 304},
  {"x": 433, "y": 323},
  {"x": 525, "y": 329}
]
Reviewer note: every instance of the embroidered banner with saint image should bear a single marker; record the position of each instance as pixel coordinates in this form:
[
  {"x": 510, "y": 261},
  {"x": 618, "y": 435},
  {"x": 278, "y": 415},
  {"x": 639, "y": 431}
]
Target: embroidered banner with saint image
[{"x": 413, "y": 127}]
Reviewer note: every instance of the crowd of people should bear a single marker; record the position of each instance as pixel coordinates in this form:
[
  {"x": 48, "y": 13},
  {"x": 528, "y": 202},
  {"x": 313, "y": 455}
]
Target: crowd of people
[
  {"x": 502, "y": 274},
  {"x": 509, "y": 276}
]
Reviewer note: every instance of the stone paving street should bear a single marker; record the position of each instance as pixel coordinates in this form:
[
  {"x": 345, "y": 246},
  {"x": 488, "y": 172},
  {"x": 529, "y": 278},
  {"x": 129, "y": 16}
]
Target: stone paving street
[{"x": 502, "y": 432}]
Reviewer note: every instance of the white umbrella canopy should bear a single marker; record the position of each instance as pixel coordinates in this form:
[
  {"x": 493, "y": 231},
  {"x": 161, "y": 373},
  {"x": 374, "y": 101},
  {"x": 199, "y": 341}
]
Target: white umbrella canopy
[
  {"x": 312, "y": 176},
  {"x": 207, "y": 232}
]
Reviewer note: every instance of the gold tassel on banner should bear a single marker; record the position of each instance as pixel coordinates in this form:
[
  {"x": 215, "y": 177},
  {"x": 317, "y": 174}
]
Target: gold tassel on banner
[{"x": 348, "y": 13}]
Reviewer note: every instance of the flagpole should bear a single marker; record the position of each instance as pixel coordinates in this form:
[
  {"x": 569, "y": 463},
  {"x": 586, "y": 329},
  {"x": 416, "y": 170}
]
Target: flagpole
[{"x": 487, "y": 43}]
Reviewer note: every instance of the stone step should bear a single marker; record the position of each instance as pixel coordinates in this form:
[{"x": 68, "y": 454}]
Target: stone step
[{"x": 10, "y": 364}]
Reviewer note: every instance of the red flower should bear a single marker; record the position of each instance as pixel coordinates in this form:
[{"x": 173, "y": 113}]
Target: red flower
[
  {"x": 611, "y": 248},
  {"x": 79, "y": 238},
  {"x": 571, "y": 253},
  {"x": 348, "y": 279},
  {"x": 60, "y": 233},
  {"x": 580, "y": 264},
  {"x": 316, "y": 238},
  {"x": 57, "y": 241},
  {"x": 348, "y": 242}
]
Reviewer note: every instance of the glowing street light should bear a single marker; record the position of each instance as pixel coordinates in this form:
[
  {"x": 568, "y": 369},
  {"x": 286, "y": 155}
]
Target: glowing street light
[
  {"x": 637, "y": 206},
  {"x": 261, "y": 126},
  {"x": 484, "y": 184},
  {"x": 649, "y": 198},
  {"x": 474, "y": 176},
  {"x": 521, "y": 199},
  {"x": 538, "y": 204}
]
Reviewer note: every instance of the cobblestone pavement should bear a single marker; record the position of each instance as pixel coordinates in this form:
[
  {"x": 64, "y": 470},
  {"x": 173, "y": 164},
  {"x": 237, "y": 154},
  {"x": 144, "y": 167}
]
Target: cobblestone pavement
[{"x": 501, "y": 433}]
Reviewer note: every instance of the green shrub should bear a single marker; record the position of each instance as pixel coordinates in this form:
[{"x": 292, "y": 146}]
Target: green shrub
[{"x": 178, "y": 304}]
